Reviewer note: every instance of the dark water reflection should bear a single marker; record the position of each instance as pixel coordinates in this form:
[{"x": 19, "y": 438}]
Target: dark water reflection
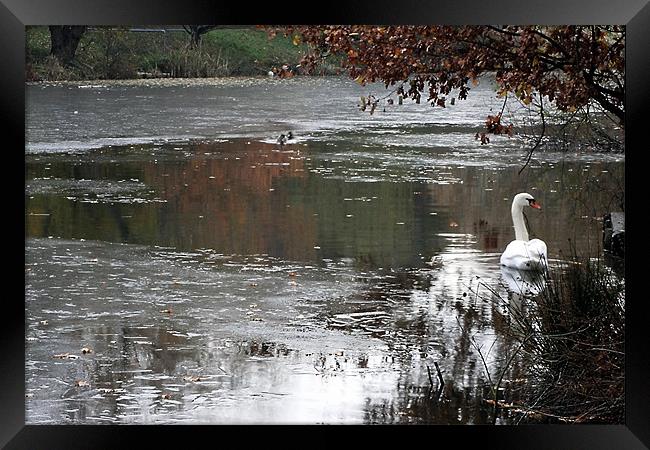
[
  {"x": 236, "y": 282},
  {"x": 306, "y": 204}
]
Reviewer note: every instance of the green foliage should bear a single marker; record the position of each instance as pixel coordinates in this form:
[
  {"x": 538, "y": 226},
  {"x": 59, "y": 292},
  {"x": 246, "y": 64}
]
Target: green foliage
[
  {"x": 37, "y": 43},
  {"x": 251, "y": 51}
]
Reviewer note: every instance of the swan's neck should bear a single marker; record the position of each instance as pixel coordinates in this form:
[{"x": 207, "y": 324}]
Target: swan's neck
[{"x": 521, "y": 233}]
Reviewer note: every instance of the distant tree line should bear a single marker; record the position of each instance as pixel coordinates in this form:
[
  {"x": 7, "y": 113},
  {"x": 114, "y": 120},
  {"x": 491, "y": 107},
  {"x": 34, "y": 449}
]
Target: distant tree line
[
  {"x": 65, "y": 39},
  {"x": 58, "y": 53}
]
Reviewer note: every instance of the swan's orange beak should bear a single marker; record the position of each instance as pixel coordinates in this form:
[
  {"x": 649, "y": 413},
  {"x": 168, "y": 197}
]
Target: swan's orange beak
[{"x": 535, "y": 205}]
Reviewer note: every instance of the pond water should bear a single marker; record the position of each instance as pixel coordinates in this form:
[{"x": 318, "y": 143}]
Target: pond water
[{"x": 182, "y": 267}]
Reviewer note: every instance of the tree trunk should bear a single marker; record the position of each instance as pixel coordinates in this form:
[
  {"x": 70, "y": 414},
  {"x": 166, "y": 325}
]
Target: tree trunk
[
  {"x": 65, "y": 40},
  {"x": 195, "y": 41},
  {"x": 196, "y": 32}
]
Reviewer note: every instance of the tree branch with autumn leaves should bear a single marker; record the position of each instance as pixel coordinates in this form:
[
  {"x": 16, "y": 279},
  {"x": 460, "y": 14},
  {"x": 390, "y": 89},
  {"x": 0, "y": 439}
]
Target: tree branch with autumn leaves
[{"x": 572, "y": 66}]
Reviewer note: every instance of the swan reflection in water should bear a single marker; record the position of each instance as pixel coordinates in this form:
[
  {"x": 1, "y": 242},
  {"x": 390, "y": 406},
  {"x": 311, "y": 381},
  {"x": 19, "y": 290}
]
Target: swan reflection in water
[
  {"x": 524, "y": 283},
  {"x": 521, "y": 284}
]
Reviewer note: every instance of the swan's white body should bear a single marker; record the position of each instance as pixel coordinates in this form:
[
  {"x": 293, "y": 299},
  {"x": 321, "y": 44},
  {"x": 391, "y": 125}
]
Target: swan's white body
[{"x": 524, "y": 254}]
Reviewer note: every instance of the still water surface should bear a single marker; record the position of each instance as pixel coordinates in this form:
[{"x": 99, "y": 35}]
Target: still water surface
[{"x": 181, "y": 267}]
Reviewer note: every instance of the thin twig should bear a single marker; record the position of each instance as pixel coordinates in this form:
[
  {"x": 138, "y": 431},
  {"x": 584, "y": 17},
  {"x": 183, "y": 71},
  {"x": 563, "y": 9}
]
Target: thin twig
[
  {"x": 505, "y": 100},
  {"x": 442, "y": 382},
  {"x": 539, "y": 139}
]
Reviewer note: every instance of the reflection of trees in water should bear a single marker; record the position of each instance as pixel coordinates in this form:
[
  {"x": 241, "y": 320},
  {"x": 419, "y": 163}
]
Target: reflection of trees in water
[
  {"x": 169, "y": 357},
  {"x": 136, "y": 352},
  {"x": 267, "y": 349},
  {"x": 573, "y": 195},
  {"x": 418, "y": 309},
  {"x": 229, "y": 202},
  {"x": 416, "y": 403},
  {"x": 251, "y": 198}
]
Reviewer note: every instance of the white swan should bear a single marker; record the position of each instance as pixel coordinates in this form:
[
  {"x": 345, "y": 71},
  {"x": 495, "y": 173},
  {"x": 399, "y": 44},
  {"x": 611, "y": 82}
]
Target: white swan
[{"x": 524, "y": 254}]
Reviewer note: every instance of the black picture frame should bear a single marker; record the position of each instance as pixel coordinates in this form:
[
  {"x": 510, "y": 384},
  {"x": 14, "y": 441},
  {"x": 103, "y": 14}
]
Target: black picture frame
[{"x": 16, "y": 14}]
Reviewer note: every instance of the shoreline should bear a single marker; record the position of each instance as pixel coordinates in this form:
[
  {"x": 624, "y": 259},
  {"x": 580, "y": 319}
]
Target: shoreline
[{"x": 167, "y": 81}]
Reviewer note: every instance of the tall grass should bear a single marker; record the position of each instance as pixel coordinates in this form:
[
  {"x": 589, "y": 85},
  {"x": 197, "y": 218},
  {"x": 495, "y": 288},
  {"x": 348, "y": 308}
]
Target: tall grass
[{"x": 571, "y": 343}]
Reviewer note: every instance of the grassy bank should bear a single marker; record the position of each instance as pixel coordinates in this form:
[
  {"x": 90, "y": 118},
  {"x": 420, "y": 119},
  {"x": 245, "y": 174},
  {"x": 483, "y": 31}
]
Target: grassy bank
[{"x": 105, "y": 53}]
